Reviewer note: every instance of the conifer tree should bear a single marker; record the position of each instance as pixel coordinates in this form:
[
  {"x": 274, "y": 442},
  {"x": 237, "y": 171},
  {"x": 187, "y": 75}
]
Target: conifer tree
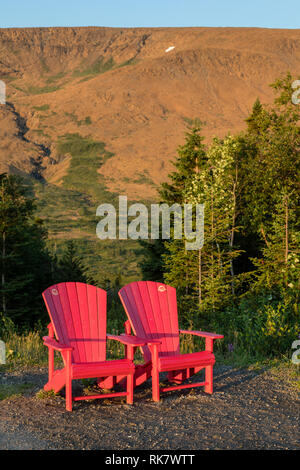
[
  {"x": 191, "y": 156},
  {"x": 70, "y": 266},
  {"x": 25, "y": 261},
  {"x": 274, "y": 134},
  {"x": 279, "y": 265}
]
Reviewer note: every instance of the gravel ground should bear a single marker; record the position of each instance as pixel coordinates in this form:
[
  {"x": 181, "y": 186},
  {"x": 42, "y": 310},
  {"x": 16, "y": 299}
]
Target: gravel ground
[{"x": 248, "y": 410}]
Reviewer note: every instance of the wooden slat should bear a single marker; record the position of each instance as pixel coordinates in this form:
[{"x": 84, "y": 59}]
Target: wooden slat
[
  {"x": 66, "y": 314},
  {"x": 180, "y": 387},
  {"x": 144, "y": 292},
  {"x": 103, "y": 395},
  {"x": 102, "y": 369},
  {"x": 76, "y": 318},
  {"x": 85, "y": 320},
  {"x": 142, "y": 316},
  {"x": 134, "y": 317},
  {"x": 172, "y": 306},
  {"x": 160, "y": 313},
  {"x": 170, "y": 324},
  {"x": 155, "y": 313},
  {"x": 101, "y": 313},
  {"x": 182, "y": 361},
  {"x": 94, "y": 324},
  {"x": 54, "y": 315}
]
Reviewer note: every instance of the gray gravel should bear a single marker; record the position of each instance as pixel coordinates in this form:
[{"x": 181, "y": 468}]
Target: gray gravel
[{"x": 248, "y": 410}]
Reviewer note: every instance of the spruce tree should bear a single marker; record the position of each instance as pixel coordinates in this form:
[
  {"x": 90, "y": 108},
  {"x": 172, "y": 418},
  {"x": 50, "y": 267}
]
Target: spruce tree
[
  {"x": 274, "y": 134},
  {"x": 70, "y": 266},
  {"x": 191, "y": 157},
  {"x": 279, "y": 266},
  {"x": 25, "y": 261}
]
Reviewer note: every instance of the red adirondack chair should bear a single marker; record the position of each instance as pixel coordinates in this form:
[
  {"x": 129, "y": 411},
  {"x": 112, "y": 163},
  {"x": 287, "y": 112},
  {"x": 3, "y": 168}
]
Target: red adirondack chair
[
  {"x": 78, "y": 321},
  {"x": 151, "y": 309}
]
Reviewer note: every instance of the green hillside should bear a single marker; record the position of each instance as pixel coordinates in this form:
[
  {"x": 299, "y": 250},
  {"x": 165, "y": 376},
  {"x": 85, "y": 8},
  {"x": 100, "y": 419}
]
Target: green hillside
[{"x": 69, "y": 211}]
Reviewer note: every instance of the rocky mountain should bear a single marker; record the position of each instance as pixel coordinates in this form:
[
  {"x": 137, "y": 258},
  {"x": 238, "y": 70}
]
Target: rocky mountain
[{"x": 92, "y": 113}]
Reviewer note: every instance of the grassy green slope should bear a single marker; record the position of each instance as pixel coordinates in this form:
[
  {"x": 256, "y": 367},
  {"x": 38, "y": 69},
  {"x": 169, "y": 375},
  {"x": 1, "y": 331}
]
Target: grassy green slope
[{"x": 69, "y": 211}]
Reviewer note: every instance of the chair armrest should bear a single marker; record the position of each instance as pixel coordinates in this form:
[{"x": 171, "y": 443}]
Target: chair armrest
[
  {"x": 203, "y": 334},
  {"x": 209, "y": 337},
  {"x": 51, "y": 343},
  {"x": 132, "y": 340}
]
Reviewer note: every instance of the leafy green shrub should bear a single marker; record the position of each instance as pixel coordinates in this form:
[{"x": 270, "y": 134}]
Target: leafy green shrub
[{"x": 262, "y": 325}]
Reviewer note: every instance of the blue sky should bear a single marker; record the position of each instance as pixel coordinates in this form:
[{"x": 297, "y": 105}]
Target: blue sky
[{"x": 150, "y": 13}]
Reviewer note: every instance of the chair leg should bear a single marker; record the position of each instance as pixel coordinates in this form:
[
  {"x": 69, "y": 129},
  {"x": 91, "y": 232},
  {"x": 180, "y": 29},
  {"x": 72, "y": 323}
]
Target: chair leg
[
  {"x": 155, "y": 372},
  {"x": 155, "y": 386},
  {"x": 68, "y": 383},
  {"x": 130, "y": 378},
  {"x": 209, "y": 379},
  {"x": 130, "y": 381},
  {"x": 69, "y": 395},
  {"x": 50, "y": 363}
]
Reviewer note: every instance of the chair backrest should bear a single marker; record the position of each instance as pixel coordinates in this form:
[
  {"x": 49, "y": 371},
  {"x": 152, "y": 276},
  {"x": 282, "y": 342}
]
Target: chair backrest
[
  {"x": 78, "y": 316},
  {"x": 151, "y": 308}
]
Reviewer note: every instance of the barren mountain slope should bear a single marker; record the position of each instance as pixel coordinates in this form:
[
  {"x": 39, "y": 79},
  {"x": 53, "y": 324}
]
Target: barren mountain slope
[{"x": 120, "y": 87}]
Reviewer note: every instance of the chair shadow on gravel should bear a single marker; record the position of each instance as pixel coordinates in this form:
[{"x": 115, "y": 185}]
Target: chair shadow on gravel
[
  {"x": 232, "y": 377},
  {"x": 241, "y": 376}
]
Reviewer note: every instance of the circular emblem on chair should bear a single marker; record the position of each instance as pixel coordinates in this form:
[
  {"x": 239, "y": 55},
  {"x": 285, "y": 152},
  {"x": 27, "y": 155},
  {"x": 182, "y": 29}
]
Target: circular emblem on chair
[
  {"x": 161, "y": 288},
  {"x": 54, "y": 292}
]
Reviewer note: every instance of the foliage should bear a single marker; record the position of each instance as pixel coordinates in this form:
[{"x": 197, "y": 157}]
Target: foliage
[
  {"x": 152, "y": 262},
  {"x": 189, "y": 160},
  {"x": 279, "y": 266},
  {"x": 25, "y": 262},
  {"x": 70, "y": 267},
  {"x": 263, "y": 324}
]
